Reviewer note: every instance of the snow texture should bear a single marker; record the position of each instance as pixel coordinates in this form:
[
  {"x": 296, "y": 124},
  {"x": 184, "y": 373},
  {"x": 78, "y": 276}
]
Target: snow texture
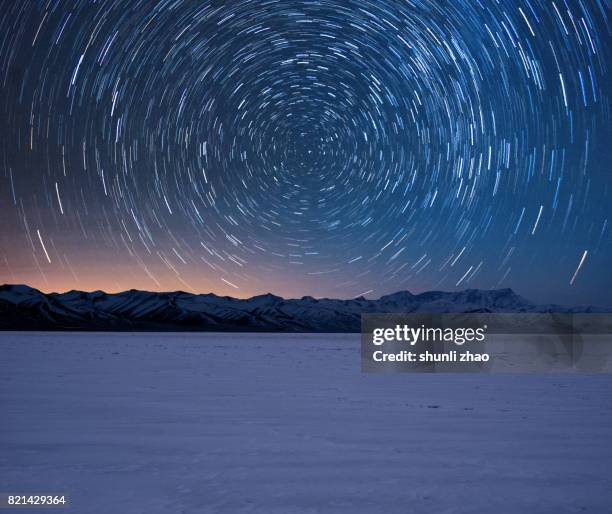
[{"x": 259, "y": 423}]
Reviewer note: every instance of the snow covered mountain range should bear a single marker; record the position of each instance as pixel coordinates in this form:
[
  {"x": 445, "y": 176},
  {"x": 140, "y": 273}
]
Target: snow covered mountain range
[{"x": 25, "y": 308}]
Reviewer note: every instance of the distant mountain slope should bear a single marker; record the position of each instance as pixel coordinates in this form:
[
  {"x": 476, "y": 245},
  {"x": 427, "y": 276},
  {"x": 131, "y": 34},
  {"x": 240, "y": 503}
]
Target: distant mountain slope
[{"x": 25, "y": 308}]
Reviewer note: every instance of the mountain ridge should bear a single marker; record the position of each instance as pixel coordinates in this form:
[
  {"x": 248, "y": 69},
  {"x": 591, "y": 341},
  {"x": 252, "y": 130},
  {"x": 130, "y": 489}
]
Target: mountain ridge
[{"x": 25, "y": 308}]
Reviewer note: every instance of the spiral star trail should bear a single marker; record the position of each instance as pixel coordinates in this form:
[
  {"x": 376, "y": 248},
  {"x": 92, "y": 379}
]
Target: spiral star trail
[{"x": 328, "y": 148}]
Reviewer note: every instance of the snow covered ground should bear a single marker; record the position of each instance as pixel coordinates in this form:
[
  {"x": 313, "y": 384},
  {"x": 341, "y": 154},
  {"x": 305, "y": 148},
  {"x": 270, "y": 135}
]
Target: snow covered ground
[{"x": 199, "y": 423}]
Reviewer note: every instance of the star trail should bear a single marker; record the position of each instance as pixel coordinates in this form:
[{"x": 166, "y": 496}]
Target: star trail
[{"x": 325, "y": 148}]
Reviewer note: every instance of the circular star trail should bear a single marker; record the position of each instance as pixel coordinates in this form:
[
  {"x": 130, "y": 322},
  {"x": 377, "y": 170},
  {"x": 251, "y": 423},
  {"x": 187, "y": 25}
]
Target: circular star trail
[{"x": 314, "y": 147}]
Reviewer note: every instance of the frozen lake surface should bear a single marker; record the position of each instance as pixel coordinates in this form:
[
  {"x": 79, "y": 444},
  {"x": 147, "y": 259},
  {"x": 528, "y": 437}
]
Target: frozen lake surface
[{"x": 215, "y": 423}]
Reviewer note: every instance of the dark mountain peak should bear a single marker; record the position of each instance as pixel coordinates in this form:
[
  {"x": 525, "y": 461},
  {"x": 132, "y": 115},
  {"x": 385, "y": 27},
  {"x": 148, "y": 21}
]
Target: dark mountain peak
[
  {"x": 208, "y": 295},
  {"x": 473, "y": 295},
  {"x": 75, "y": 293},
  {"x": 494, "y": 293},
  {"x": 509, "y": 295},
  {"x": 19, "y": 289},
  {"x": 182, "y": 294},
  {"x": 395, "y": 297},
  {"x": 267, "y": 297}
]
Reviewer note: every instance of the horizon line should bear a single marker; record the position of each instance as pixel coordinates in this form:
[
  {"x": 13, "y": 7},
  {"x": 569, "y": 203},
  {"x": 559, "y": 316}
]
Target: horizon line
[{"x": 6, "y": 284}]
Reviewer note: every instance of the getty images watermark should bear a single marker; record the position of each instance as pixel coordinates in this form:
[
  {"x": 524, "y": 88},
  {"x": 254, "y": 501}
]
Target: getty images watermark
[
  {"x": 411, "y": 336},
  {"x": 489, "y": 343}
]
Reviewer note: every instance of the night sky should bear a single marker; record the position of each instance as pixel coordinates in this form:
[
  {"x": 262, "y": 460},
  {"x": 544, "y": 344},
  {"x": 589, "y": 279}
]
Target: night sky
[{"x": 324, "y": 148}]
